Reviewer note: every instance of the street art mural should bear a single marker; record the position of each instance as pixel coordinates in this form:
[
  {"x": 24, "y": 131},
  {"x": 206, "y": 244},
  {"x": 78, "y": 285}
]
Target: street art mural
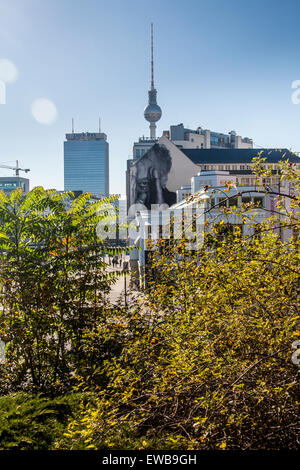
[{"x": 149, "y": 178}]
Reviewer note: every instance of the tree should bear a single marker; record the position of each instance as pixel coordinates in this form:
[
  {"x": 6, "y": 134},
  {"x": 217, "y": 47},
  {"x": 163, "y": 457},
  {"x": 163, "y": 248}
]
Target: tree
[
  {"x": 207, "y": 362},
  {"x": 54, "y": 286}
]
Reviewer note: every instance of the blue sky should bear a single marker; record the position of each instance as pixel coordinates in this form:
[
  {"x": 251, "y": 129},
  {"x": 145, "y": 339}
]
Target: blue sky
[{"x": 219, "y": 64}]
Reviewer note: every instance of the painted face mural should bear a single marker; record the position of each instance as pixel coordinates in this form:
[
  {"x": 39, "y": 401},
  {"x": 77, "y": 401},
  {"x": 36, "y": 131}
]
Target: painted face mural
[{"x": 149, "y": 177}]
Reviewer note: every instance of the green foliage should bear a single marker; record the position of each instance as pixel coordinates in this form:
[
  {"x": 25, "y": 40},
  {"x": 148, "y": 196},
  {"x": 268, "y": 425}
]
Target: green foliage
[
  {"x": 201, "y": 361},
  {"x": 53, "y": 289},
  {"x": 34, "y": 422},
  {"x": 206, "y": 362}
]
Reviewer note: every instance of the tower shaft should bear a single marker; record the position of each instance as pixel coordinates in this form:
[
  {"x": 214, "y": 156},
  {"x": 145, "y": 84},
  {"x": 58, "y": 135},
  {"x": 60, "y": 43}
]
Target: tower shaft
[{"x": 152, "y": 131}]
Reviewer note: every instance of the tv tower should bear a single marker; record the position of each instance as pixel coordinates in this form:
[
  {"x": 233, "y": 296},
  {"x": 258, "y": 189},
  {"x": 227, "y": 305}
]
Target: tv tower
[{"x": 152, "y": 112}]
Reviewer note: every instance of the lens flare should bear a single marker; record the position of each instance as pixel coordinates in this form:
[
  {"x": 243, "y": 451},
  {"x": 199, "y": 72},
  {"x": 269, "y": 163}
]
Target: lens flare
[
  {"x": 44, "y": 111},
  {"x": 8, "y": 71}
]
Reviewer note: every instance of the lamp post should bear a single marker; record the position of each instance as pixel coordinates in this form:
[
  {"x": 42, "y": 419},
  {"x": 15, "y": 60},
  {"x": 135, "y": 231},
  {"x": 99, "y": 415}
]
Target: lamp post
[{"x": 125, "y": 270}]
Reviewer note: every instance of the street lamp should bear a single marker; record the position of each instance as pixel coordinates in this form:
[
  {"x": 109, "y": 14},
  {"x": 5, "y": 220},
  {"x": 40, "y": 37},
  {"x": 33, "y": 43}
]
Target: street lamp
[{"x": 125, "y": 270}]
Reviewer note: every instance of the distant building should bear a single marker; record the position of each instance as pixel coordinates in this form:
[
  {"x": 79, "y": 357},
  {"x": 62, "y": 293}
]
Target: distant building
[
  {"x": 167, "y": 173},
  {"x": 86, "y": 163},
  {"x": 187, "y": 139},
  {"x": 206, "y": 139},
  {"x": 10, "y": 183},
  {"x": 142, "y": 146},
  {"x": 200, "y": 138},
  {"x": 165, "y": 168},
  {"x": 183, "y": 193},
  {"x": 200, "y": 211}
]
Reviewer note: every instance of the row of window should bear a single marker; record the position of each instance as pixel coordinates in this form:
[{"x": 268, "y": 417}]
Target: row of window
[
  {"x": 139, "y": 153},
  {"x": 234, "y": 201},
  {"x": 237, "y": 167},
  {"x": 225, "y": 167}
]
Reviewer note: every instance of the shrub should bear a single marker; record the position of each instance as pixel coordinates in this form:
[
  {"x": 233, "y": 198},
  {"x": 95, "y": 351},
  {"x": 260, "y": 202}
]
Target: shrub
[{"x": 34, "y": 422}]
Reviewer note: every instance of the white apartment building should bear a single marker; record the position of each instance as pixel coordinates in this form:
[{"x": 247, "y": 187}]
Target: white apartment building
[{"x": 204, "y": 211}]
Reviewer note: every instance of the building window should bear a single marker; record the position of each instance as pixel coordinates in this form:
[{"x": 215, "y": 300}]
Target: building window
[
  {"x": 233, "y": 202},
  {"x": 275, "y": 180},
  {"x": 258, "y": 201},
  {"x": 246, "y": 199},
  {"x": 222, "y": 202},
  {"x": 211, "y": 203}
]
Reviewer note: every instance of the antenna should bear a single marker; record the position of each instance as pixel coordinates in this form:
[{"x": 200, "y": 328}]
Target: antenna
[
  {"x": 152, "y": 66},
  {"x": 72, "y": 125},
  {"x": 99, "y": 125}
]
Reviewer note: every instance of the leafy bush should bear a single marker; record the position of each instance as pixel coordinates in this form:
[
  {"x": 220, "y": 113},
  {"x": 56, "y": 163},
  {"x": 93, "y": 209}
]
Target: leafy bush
[
  {"x": 34, "y": 422},
  {"x": 53, "y": 286},
  {"x": 207, "y": 361}
]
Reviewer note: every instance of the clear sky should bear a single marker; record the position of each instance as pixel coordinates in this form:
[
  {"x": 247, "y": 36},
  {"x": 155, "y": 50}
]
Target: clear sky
[{"x": 219, "y": 64}]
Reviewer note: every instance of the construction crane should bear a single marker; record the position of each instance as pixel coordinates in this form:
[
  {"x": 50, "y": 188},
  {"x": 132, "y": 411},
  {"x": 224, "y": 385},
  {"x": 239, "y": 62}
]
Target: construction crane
[{"x": 16, "y": 168}]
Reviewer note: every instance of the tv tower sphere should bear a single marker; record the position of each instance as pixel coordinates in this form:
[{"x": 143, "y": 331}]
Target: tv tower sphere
[{"x": 152, "y": 112}]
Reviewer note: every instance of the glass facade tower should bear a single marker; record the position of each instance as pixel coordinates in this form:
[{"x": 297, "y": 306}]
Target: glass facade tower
[{"x": 86, "y": 163}]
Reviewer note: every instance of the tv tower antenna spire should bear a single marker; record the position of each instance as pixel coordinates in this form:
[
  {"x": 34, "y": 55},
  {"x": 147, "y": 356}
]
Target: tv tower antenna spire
[
  {"x": 152, "y": 112},
  {"x": 152, "y": 61}
]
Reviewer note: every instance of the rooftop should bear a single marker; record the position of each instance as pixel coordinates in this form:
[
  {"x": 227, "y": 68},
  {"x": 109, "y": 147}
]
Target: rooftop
[
  {"x": 86, "y": 136},
  {"x": 199, "y": 156}
]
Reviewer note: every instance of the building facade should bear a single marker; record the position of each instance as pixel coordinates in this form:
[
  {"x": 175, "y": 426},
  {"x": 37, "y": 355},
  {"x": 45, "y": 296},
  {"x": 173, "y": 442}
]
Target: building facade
[
  {"x": 187, "y": 139},
  {"x": 192, "y": 217},
  {"x": 206, "y": 139},
  {"x": 86, "y": 163},
  {"x": 165, "y": 168},
  {"x": 10, "y": 183},
  {"x": 166, "y": 176},
  {"x": 142, "y": 146}
]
